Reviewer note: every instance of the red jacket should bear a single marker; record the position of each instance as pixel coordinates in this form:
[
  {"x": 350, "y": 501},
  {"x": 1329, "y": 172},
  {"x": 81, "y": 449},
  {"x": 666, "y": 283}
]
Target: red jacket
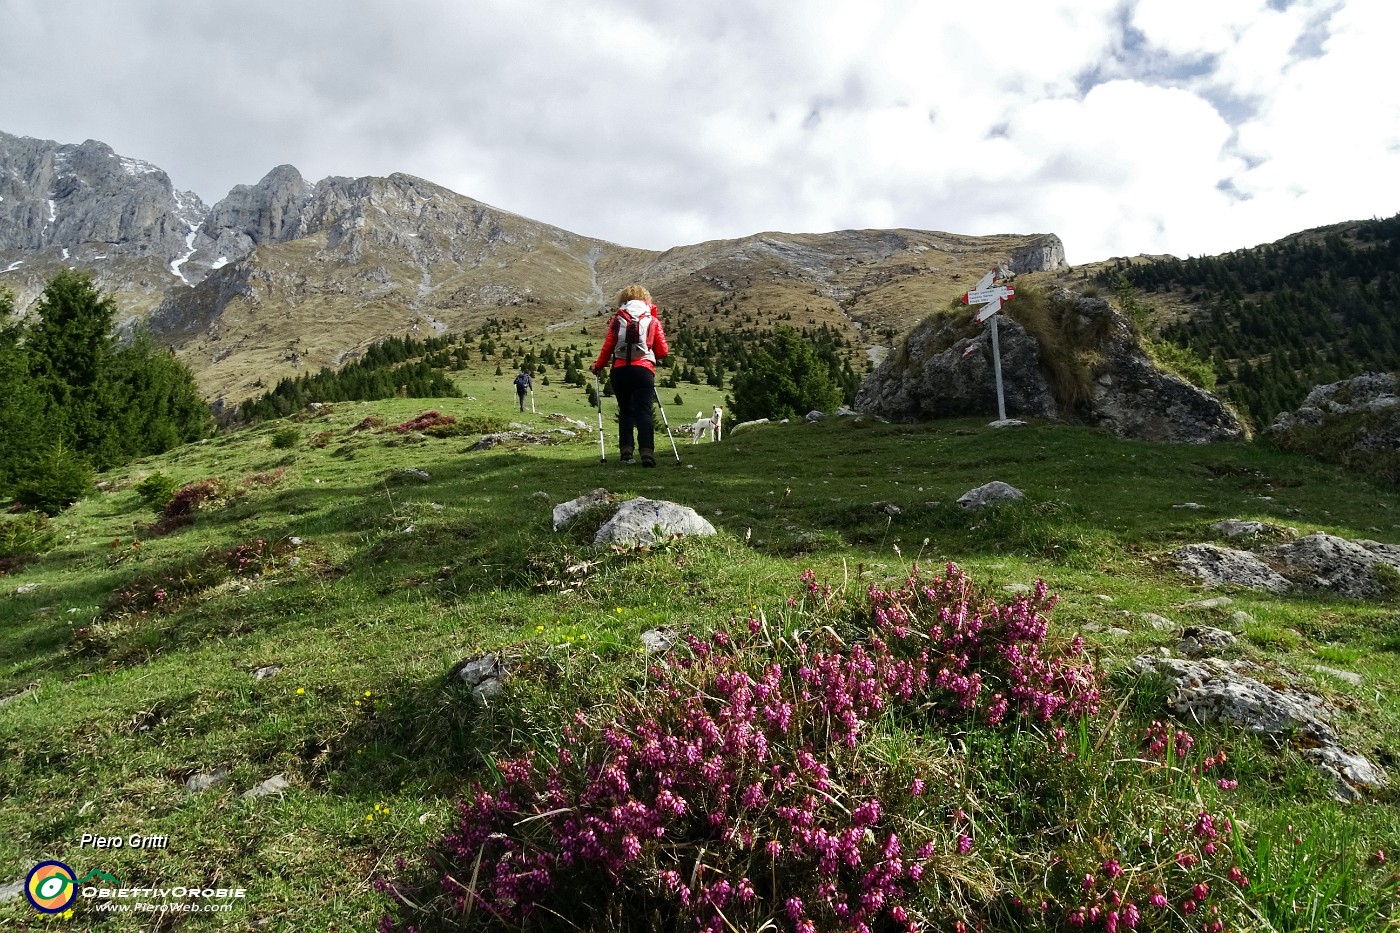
[{"x": 655, "y": 342}]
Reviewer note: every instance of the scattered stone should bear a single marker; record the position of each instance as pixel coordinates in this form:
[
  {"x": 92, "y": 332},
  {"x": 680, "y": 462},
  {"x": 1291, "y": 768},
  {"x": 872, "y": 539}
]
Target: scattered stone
[
  {"x": 1237, "y": 528},
  {"x": 887, "y": 508},
  {"x": 1219, "y": 566},
  {"x": 273, "y": 785},
  {"x": 206, "y": 780},
  {"x": 1241, "y": 618},
  {"x": 641, "y": 522},
  {"x": 1350, "y": 772},
  {"x": 25, "y": 588},
  {"x": 9, "y": 892},
  {"x": 1017, "y": 588},
  {"x": 747, "y": 424},
  {"x": 844, "y": 412},
  {"x": 566, "y": 512},
  {"x": 816, "y": 416},
  {"x": 1215, "y": 602},
  {"x": 562, "y": 418},
  {"x": 483, "y": 675},
  {"x": 1188, "y": 505},
  {"x": 540, "y": 495},
  {"x": 263, "y": 673},
  {"x": 1325, "y": 561},
  {"x": 1345, "y": 676},
  {"x": 1117, "y": 632},
  {"x": 1103, "y": 598},
  {"x": 18, "y": 696},
  {"x": 1007, "y": 423},
  {"x": 993, "y": 492},
  {"x": 415, "y": 473},
  {"x": 487, "y": 441},
  {"x": 1160, "y": 623},
  {"x": 1200, "y": 640},
  {"x": 1212, "y": 690},
  {"x": 657, "y": 640},
  {"x": 294, "y": 541}
]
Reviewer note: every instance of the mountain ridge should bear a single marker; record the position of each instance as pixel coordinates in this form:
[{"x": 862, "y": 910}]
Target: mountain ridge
[{"x": 285, "y": 275}]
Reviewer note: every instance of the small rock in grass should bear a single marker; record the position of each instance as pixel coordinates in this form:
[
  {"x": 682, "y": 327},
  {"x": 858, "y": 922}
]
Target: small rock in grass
[
  {"x": 1160, "y": 623},
  {"x": 273, "y": 785},
  {"x": 206, "y": 780}
]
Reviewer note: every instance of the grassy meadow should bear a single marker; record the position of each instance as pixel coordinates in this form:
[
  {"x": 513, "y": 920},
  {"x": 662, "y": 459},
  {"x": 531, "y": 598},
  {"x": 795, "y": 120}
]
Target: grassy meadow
[{"x": 129, "y": 652}]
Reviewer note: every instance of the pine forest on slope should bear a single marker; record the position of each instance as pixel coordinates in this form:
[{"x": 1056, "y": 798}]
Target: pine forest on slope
[{"x": 1278, "y": 319}]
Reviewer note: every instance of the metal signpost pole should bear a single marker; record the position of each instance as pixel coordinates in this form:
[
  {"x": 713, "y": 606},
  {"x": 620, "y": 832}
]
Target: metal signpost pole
[
  {"x": 991, "y": 296},
  {"x": 996, "y": 361}
]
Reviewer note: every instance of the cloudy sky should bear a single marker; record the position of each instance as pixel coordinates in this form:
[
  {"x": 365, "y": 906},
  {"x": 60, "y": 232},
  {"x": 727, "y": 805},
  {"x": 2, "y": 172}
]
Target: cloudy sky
[{"x": 1125, "y": 126}]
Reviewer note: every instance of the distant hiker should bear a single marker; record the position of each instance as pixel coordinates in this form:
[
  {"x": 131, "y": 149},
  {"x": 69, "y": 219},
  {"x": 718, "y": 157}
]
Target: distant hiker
[
  {"x": 522, "y": 385},
  {"x": 634, "y": 343}
]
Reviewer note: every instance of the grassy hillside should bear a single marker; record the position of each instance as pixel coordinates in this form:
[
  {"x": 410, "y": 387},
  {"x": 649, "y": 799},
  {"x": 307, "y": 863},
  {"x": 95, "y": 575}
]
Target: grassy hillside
[{"x": 128, "y": 652}]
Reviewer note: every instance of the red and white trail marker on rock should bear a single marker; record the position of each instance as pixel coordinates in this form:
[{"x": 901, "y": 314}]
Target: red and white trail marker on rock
[{"x": 991, "y": 297}]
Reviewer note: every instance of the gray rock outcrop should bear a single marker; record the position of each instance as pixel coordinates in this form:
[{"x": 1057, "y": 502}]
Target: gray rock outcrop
[
  {"x": 1355, "y": 422},
  {"x": 945, "y": 368},
  {"x": 1213, "y": 691},
  {"x": 641, "y": 522},
  {"x": 1369, "y": 392},
  {"x": 483, "y": 675},
  {"x": 89, "y": 201},
  {"x": 566, "y": 512},
  {"x": 1221, "y": 566},
  {"x": 268, "y": 212},
  {"x": 1323, "y": 561},
  {"x": 990, "y": 494},
  {"x": 1197, "y": 641}
]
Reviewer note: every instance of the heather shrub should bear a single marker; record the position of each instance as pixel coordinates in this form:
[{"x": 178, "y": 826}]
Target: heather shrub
[
  {"x": 744, "y": 783},
  {"x": 188, "y": 500},
  {"x": 421, "y": 423}
]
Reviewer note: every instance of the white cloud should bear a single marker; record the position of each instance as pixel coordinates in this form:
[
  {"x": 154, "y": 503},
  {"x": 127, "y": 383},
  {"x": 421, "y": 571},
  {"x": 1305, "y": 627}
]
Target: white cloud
[{"x": 1189, "y": 126}]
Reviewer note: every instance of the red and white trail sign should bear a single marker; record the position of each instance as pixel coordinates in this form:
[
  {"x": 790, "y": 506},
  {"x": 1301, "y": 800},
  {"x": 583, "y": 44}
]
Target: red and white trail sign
[{"x": 989, "y": 295}]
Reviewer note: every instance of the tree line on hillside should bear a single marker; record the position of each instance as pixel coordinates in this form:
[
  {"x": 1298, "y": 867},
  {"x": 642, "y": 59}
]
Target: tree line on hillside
[
  {"x": 781, "y": 372},
  {"x": 777, "y": 373},
  {"x": 1279, "y": 319},
  {"x": 395, "y": 366},
  {"x": 74, "y": 399}
]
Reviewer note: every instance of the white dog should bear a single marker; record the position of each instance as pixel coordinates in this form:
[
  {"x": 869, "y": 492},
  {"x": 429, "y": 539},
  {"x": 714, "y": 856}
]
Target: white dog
[{"x": 710, "y": 425}]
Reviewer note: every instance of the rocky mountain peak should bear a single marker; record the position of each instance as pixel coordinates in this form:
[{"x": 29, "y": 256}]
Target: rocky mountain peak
[{"x": 284, "y": 274}]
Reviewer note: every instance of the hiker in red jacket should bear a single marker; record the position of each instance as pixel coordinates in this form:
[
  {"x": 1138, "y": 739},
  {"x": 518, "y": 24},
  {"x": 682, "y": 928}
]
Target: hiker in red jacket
[{"x": 634, "y": 343}]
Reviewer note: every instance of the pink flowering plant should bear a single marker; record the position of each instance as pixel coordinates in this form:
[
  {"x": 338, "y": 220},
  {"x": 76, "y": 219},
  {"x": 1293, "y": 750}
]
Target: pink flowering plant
[{"x": 743, "y": 786}]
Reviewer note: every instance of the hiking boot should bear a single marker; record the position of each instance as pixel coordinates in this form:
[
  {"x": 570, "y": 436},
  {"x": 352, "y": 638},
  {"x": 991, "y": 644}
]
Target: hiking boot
[
  {"x": 627, "y": 455},
  {"x": 648, "y": 458}
]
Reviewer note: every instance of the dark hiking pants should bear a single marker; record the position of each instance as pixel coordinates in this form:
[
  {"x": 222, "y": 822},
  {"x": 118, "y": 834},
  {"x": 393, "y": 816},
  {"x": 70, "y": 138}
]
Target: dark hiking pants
[{"x": 634, "y": 387}]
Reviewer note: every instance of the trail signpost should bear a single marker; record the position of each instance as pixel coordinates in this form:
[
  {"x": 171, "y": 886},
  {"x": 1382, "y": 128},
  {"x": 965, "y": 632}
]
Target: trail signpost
[{"x": 991, "y": 297}]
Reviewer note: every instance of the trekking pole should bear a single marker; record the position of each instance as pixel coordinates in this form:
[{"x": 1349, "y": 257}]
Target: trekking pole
[
  {"x": 532, "y": 398},
  {"x": 667, "y": 423},
  {"x": 598, "y": 396}
]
